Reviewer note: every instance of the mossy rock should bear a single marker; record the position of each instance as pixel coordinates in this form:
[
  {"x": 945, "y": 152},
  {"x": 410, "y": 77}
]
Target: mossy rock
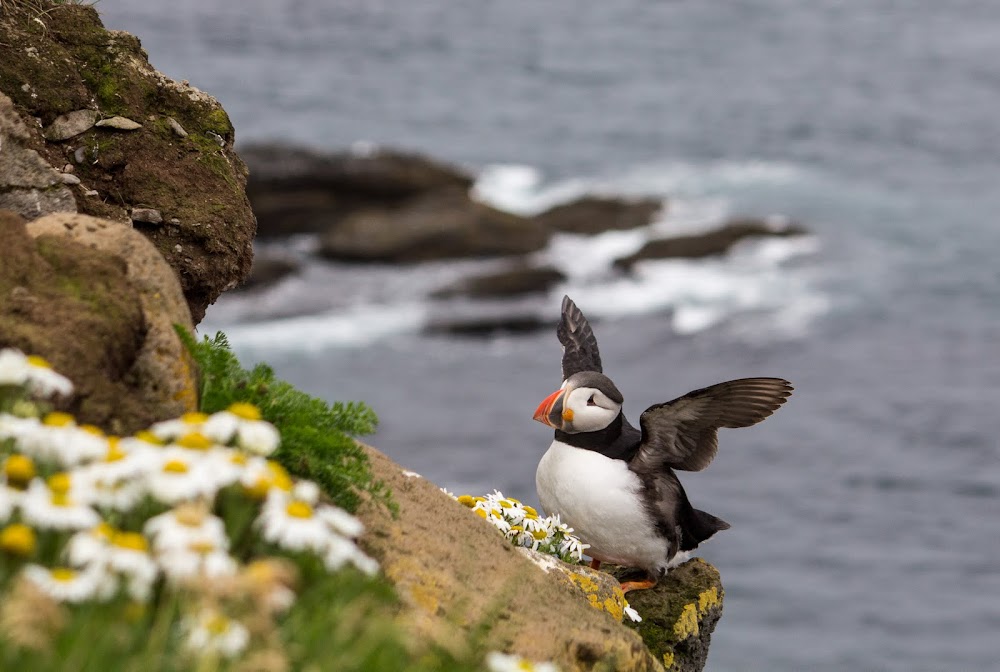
[
  {"x": 58, "y": 58},
  {"x": 679, "y": 614}
]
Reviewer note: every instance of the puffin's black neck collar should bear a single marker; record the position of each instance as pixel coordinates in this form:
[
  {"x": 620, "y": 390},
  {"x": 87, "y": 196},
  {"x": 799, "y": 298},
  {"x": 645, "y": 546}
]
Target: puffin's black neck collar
[{"x": 619, "y": 440}]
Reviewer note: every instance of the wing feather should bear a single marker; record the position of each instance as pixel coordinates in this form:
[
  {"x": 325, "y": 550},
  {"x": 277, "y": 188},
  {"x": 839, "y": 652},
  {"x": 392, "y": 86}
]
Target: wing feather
[
  {"x": 683, "y": 433},
  {"x": 580, "y": 351}
]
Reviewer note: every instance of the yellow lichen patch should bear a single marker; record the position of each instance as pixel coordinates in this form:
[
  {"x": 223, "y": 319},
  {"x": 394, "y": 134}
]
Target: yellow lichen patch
[
  {"x": 668, "y": 659},
  {"x": 709, "y": 599},
  {"x": 585, "y": 583},
  {"x": 687, "y": 625},
  {"x": 614, "y": 607}
]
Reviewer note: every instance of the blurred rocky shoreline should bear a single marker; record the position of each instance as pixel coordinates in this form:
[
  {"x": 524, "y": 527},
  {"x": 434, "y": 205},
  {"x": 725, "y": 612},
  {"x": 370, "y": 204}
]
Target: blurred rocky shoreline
[{"x": 381, "y": 205}]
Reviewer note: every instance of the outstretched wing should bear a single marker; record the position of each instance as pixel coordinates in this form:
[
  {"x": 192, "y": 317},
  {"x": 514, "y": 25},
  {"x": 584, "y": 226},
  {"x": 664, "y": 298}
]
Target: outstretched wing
[
  {"x": 683, "y": 433},
  {"x": 579, "y": 343}
]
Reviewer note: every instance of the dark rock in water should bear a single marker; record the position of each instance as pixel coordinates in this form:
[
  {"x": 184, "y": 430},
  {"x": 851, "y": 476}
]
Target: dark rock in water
[
  {"x": 515, "y": 281},
  {"x": 297, "y": 190},
  {"x": 443, "y": 224},
  {"x": 679, "y": 614},
  {"x": 488, "y": 326},
  {"x": 75, "y": 64},
  {"x": 711, "y": 243},
  {"x": 267, "y": 271},
  {"x": 591, "y": 215}
]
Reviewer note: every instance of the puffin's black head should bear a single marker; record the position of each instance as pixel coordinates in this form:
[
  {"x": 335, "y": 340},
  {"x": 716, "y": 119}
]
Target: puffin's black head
[{"x": 587, "y": 402}]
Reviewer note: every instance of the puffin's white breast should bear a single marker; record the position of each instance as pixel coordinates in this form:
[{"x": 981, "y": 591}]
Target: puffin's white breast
[{"x": 601, "y": 499}]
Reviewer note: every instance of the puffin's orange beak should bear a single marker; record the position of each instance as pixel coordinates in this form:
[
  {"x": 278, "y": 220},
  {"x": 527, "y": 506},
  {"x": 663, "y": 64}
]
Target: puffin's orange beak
[{"x": 550, "y": 411}]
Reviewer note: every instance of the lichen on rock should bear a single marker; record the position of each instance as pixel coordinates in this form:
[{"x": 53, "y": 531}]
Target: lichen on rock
[{"x": 77, "y": 67}]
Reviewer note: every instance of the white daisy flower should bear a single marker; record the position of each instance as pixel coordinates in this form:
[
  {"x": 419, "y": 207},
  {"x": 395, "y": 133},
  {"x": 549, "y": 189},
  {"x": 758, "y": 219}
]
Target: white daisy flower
[
  {"x": 57, "y": 505},
  {"x": 14, "y": 427},
  {"x": 184, "y": 527},
  {"x": 292, "y": 524},
  {"x": 60, "y": 440},
  {"x": 510, "y": 662},
  {"x": 221, "y": 427},
  {"x": 258, "y": 437},
  {"x": 89, "y": 546},
  {"x": 199, "y": 561},
  {"x": 33, "y": 372},
  {"x": 117, "y": 481},
  {"x": 168, "y": 430},
  {"x": 632, "y": 613},
  {"x": 181, "y": 475},
  {"x": 340, "y": 552},
  {"x": 18, "y": 539},
  {"x": 70, "y": 585},
  {"x": 128, "y": 555},
  {"x": 211, "y": 633},
  {"x": 18, "y": 472},
  {"x": 260, "y": 476},
  {"x": 8, "y": 502},
  {"x": 341, "y": 521}
]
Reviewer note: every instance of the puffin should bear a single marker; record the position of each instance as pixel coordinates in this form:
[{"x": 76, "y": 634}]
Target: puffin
[{"x": 616, "y": 485}]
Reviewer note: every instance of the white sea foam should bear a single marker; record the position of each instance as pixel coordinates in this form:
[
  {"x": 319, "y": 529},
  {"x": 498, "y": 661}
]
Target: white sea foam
[{"x": 350, "y": 327}]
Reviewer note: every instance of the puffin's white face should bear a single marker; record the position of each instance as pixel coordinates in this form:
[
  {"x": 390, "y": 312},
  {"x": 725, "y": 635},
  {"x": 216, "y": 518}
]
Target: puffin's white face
[
  {"x": 585, "y": 403},
  {"x": 588, "y": 410}
]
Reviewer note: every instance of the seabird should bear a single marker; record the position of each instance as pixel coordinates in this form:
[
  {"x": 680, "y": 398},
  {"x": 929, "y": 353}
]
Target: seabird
[{"x": 615, "y": 484}]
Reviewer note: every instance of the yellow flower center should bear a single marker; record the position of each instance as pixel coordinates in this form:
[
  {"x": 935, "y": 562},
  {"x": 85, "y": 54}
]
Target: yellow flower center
[
  {"x": 149, "y": 437},
  {"x": 176, "y": 467},
  {"x": 467, "y": 500},
  {"x": 217, "y": 625},
  {"x": 59, "y": 483},
  {"x": 201, "y": 547},
  {"x": 246, "y": 411},
  {"x": 497, "y": 512},
  {"x": 63, "y": 574},
  {"x": 114, "y": 452},
  {"x": 516, "y": 528},
  {"x": 105, "y": 530},
  {"x": 525, "y": 665},
  {"x": 194, "y": 418},
  {"x": 92, "y": 429},
  {"x": 18, "y": 539},
  {"x": 531, "y": 511},
  {"x": 190, "y": 515},
  {"x": 195, "y": 441},
  {"x": 261, "y": 572},
  {"x": 506, "y": 503},
  {"x": 238, "y": 458},
  {"x": 57, "y": 419},
  {"x": 259, "y": 489},
  {"x": 279, "y": 477},
  {"x": 132, "y": 541},
  {"x": 481, "y": 513},
  {"x": 539, "y": 534},
  {"x": 19, "y": 469},
  {"x": 39, "y": 362},
  {"x": 299, "y": 509}
]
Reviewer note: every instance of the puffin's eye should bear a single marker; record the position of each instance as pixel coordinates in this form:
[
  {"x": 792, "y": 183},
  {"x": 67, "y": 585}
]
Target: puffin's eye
[{"x": 590, "y": 402}]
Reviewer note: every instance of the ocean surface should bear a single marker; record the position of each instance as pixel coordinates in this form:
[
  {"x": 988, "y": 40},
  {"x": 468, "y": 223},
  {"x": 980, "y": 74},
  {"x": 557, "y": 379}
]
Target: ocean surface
[{"x": 866, "y": 512}]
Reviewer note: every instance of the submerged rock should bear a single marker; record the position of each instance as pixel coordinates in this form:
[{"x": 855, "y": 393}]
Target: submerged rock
[
  {"x": 591, "y": 215},
  {"x": 517, "y": 281},
  {"x": 710, "y": 243},
  {"x": 80, "y": 68},
  {"x": 443, "y": 224},
  {"x": 297, "y": 190}
]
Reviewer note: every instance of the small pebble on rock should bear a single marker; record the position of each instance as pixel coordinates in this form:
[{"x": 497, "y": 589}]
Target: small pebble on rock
[
  {"x": 147, "y": 216},
  {"x": 69, "y": 178},
  {"x": 91, "y": 192},
  {"x": 174, "y": 221},
  {"x": 176, "y": 127},
  {"x": 218, "y": 138},
  {"x": 80, "y": 154},
  {"x": 68, "y": 168},
  {"x": 71, "y": 124},
  {"x": 119, "y": 123},
  {"x": 178, "y": 248}
]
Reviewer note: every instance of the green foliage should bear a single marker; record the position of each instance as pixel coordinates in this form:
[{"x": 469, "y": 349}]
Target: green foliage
[{"x": 316, "y": 438}]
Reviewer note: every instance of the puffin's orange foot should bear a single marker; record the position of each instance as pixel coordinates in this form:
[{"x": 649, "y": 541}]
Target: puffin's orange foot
[
  {"x": 595, "y": 564},
  {"x": 638, "y": 585}
]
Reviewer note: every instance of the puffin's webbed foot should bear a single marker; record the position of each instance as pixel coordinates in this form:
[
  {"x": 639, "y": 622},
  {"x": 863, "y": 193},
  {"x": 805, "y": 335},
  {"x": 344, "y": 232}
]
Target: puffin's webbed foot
[{"x": 639, "y": 583}]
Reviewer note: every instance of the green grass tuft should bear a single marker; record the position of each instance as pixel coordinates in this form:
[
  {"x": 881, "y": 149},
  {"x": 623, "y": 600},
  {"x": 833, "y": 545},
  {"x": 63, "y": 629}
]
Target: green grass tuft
[{"x": 316, "y": 437}]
